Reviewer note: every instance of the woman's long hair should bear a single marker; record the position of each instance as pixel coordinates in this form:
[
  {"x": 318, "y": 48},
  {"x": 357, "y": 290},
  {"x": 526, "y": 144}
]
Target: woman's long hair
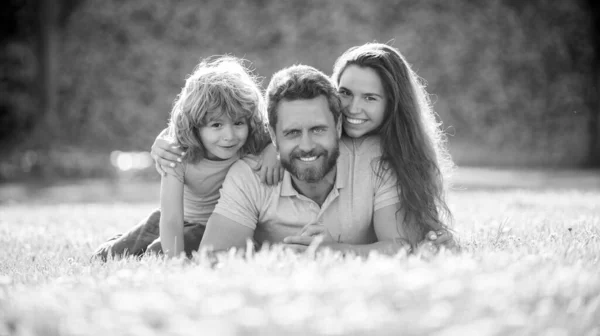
[
  {"x": 413, "y": 145},
  {"x": 218, "y": 86}
]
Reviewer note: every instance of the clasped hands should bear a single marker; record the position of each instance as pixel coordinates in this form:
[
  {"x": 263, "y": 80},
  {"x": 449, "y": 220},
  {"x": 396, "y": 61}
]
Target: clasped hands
[{"x": 311, "y": 233}]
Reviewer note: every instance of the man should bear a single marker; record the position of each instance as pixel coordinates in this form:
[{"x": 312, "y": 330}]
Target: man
[{"x": 330, "y": 189}]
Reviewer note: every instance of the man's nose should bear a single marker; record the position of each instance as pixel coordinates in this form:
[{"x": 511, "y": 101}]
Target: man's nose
[{"x": 306, "y": 142}]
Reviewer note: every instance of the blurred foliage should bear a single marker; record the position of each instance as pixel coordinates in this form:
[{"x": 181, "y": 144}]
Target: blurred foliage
[{"x": 509, "y": 79}]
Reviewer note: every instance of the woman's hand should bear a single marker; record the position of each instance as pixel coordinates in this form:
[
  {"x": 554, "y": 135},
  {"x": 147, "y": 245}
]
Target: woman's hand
[
  {"x": 165, "y": 153},
  {"x": 269, "y": 167},
  {"x": 434, "y": 240}
]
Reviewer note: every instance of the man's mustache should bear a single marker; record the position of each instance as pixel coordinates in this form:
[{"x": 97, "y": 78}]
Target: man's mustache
[{"x": 296, "y": 154}]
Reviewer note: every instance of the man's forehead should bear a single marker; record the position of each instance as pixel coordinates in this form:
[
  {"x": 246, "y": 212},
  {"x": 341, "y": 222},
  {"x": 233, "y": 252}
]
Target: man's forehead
[{"x": 302, "y": 111}]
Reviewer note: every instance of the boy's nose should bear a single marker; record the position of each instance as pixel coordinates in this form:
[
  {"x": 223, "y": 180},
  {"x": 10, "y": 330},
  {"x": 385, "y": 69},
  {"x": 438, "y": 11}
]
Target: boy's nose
[{"x": 227, "y": 133}]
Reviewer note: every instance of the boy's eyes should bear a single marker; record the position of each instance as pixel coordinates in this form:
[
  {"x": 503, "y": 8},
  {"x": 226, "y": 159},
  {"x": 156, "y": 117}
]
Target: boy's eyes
[{"x": 219, "y": 124}]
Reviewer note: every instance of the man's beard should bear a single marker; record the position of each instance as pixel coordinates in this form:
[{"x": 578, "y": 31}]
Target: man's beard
[{"x": 310, "y": 174}]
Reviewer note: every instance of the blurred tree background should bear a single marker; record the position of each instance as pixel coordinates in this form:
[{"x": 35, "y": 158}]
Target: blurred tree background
[{"x": 515, "y": 83}]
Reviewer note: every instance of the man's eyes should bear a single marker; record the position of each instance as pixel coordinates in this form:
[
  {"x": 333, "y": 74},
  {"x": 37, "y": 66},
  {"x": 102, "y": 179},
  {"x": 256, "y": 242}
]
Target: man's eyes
[{"x": 317, "y": 130}]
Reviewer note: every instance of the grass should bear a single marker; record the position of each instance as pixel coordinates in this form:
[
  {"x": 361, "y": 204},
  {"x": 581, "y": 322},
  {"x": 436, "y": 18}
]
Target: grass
[{"x": 530, "y": 265}]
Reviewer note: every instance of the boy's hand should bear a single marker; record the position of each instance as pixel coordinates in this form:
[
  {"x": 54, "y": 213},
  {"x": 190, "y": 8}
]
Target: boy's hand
[
  {"x": 269, "y": 167},
  {"x": 166, "y": 153}
]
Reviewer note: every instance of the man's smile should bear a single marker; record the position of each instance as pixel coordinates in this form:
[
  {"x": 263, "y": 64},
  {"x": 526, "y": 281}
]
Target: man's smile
[{"x": 308, "y": 158}]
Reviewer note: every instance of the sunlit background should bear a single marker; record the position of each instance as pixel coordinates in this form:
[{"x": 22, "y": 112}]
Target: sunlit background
[{"x": 86, "y": 85}]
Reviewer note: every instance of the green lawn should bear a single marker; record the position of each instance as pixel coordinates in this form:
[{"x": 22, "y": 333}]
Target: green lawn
[{"x": 530, "y": 265}]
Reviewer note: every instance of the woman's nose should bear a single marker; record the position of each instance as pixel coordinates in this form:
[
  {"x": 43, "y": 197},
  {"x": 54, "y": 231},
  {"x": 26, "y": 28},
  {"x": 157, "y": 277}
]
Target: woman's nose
[{"x": 355, "y": 106}]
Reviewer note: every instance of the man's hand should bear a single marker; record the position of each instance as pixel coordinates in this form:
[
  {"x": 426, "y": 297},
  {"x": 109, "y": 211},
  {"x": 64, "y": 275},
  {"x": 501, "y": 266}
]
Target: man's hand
[
  {"x": 166, "y": 154},
  {"x": 311, "y": 234}
]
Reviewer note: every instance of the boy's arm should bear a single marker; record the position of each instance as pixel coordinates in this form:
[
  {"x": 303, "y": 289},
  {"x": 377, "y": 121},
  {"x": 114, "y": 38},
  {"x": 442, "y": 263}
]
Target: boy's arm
[{"x": 171, "y": 217}]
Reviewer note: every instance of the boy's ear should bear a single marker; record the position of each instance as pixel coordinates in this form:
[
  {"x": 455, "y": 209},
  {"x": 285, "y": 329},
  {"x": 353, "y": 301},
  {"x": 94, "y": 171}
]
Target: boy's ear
[{"x": 272, "y": 135}]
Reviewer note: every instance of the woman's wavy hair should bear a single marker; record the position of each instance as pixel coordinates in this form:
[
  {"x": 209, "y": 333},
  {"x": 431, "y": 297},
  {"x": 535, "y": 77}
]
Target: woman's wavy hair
[
  {"x": 218, "y": 86},
  {"x": 413, "y": 145}
]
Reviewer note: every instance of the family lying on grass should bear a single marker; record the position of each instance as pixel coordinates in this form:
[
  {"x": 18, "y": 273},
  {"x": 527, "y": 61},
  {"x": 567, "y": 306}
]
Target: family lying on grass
[{"x": 362, "y": 157}]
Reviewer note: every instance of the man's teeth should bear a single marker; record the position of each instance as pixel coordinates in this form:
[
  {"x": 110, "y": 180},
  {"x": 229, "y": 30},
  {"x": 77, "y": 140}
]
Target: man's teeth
[
  {"x": 355, "y": 121},
  {"x": 308, "y": 159}
]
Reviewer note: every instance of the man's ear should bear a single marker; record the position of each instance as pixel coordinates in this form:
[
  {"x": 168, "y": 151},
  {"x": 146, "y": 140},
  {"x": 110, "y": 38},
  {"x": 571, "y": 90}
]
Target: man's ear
[
  {"x": 272, "y": 135},
  {"x": 338, "y": 127}
]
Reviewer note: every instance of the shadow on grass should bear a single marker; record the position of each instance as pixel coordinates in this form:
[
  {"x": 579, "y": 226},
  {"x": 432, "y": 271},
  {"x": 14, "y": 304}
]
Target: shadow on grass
[
  {"x": 139, "y": 190},
  {"x": 471, "y": 178}
]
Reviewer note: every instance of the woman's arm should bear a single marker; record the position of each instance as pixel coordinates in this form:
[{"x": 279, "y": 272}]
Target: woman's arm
[
  {"x": 171, "y": 217},
  {"x": 166, "y": 153}
]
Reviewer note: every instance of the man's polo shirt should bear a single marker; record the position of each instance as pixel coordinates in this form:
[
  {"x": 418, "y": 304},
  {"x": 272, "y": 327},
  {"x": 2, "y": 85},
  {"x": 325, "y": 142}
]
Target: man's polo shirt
[{"x": 275, "y": 212}]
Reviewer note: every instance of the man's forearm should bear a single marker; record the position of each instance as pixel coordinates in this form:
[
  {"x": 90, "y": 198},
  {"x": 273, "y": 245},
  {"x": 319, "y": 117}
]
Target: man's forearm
[{"x": 383, "y": 247}]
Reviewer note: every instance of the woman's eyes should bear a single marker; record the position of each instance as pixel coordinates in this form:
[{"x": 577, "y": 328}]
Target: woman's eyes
[
  {"x": 216, "y": 125},
  {"x": 346, "y": 93},
  {"x": 239, "y": 123}
]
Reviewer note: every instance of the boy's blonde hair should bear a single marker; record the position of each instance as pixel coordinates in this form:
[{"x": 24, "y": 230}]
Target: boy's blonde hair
[{"x": 218, "y": 85}]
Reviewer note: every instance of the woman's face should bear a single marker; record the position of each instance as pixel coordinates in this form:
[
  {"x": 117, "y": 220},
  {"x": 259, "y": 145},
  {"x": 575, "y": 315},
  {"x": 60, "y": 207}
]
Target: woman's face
[{"x": 363, "y": 100}]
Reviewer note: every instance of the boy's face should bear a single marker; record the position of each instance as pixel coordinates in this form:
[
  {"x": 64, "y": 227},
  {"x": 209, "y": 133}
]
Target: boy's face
[{"x": 222, "y": 137}]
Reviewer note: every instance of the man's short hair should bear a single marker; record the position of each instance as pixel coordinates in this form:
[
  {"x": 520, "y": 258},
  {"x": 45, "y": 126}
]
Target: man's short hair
[{"x": 301, "y": 82}]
